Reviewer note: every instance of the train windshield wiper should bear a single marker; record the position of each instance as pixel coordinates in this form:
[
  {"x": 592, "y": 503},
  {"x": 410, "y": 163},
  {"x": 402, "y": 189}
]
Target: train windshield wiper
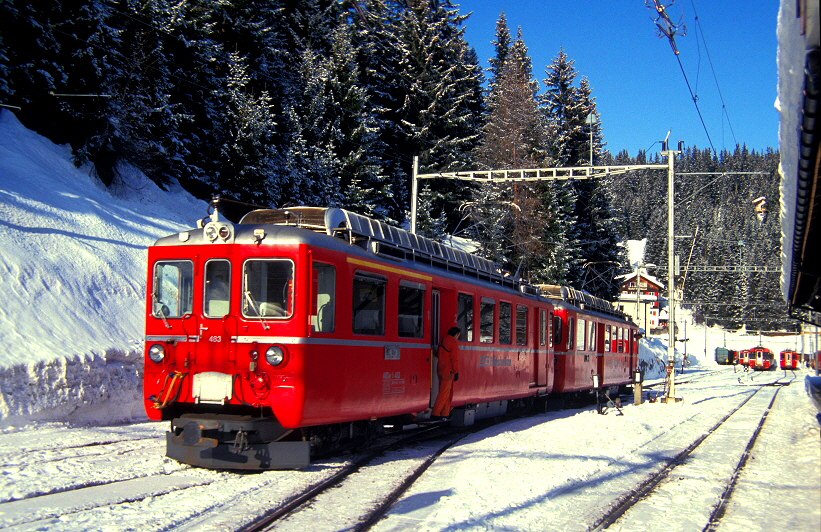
[
  {"x": 256, "y": 308},
  {"x": 158, "y": 310}
]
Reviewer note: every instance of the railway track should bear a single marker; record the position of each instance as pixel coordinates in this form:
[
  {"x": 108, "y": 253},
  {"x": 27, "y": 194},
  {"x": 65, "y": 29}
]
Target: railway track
[
  {"x": 105, "y": 475},
  {"x": 699, "y": 444},
  {"x": 588, "y": 488},
  {"x": 393, "y": 466},
  {"x": 708, "y": 459},
  {"x": 56, "y": 454}
]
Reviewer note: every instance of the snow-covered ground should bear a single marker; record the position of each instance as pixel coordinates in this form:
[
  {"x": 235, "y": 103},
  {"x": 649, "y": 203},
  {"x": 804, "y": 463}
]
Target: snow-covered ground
[{"x": 72, "y": 285}]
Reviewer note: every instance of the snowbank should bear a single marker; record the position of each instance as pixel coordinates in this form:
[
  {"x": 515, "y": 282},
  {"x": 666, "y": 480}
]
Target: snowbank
[{"x": 72, "y": 280}]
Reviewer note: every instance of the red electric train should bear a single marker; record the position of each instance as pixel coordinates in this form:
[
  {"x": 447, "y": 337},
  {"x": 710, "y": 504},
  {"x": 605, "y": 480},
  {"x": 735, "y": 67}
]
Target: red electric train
[
  {"x": 789, "y": 359},
  {"x": 298, "y": 328},
  {"x": 761, "y": 359},
  {"x": 744, "y": 357}
]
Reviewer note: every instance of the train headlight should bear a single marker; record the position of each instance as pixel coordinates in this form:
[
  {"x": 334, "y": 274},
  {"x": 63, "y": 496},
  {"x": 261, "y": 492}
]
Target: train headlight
[
  {"x": 156, "y": 353},
  {"x": 211, "y": 232},
  {"x": 275, "y": 355}
]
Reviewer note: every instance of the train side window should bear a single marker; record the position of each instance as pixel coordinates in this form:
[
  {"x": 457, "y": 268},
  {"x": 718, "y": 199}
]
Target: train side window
[
  {"x": 621, "y": 340},
  {"x": 324, "y": 297},
  {"x": 557, "y": 330},
  {"x": 521, "y": 325},
  {"x": 464, "y": 316},
  {"x": 487, "y": 325},
  {"x": 591, "y": 338},
  {"x": 581, "y": 330},
  {"x": 369, "y": 304},
  {"x": 607, "y": 338},
  {"x": 172, "y": 294},
  {"x": 542, "y": 327},
  {"x": 411, "y": 309},
  {"x": 505, "y": 314},
  {"x": 569, "y": 332},
  {"x": 267, "y": 290}
]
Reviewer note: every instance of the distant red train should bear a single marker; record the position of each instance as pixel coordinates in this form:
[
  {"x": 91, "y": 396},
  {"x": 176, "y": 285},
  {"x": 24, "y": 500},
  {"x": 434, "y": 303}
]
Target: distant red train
[
  {"x": 301, "y": 327},
  {"x": 789, "y": 359},
  {"x": 762, "y": 359},
  {"x": 744, "y": 357}
]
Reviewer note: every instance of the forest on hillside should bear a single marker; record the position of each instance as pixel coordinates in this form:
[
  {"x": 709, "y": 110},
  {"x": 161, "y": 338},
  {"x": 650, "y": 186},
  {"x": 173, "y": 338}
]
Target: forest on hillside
[{"x": 326, "y": 102}]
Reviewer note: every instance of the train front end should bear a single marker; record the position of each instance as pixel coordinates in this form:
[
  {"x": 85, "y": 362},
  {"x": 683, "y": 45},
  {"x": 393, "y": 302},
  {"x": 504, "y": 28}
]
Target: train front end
[{"x": 223, "y": 359}]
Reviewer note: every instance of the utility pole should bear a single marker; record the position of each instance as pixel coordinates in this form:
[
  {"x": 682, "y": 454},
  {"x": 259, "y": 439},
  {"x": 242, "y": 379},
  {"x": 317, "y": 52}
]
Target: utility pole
[
  {"x": 671, "y": 271},
  {"x": 414, "y": 193}
]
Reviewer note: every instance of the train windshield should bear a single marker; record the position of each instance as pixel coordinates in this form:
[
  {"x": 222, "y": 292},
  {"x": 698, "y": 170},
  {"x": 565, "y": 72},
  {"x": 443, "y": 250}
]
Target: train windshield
[
  {"x": 267, "y": 290},
  {"x": 172, "y": 295}
]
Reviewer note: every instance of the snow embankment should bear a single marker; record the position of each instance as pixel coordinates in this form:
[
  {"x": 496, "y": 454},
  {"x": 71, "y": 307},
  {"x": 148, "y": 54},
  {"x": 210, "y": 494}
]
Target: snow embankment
[{"x": 72, "y": 280}]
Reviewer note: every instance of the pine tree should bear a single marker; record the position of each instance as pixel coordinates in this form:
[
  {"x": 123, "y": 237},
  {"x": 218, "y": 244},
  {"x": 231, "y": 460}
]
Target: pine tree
[
  {"x": 595, "y": 228},
  {"x": 380, "y": 193},
  {"x": 141, "y": 123},
  {"x": 502, "y": 45},
  {"x": 423, "y": 80},
  {"x": 198, "y": 64},
  {"x": 30, "y": 69},
  {"x": 246, "y": 155},
  {"x": 511, "y": 139}
]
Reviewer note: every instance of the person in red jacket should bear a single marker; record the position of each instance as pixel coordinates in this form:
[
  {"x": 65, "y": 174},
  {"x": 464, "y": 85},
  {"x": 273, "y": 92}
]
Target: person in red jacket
[{"x": 448, "y": 371}]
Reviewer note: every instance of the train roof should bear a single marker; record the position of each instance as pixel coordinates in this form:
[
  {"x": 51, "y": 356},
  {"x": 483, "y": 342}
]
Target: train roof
[
  {"x": 382, "y": 240},
  {"x": 387, "y": 241},
  {"x": 579, "y": 298}
]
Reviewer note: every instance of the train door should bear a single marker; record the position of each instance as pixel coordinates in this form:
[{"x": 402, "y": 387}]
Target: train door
[
  {"x": 539, "y": 369},
  {"x": 172, "y": 302},
  {"x": 435, "y": 336},
  {"x": 601, "y": 357},
  {"x": 214, "y": 321}
]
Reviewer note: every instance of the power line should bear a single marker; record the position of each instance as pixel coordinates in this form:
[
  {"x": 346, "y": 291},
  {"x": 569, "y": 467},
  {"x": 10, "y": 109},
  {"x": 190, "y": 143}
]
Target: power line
[
  {"x": 666, "y": 28},
  {"x": 712, "y": 69},
  {"x": 695, "y": 102}
]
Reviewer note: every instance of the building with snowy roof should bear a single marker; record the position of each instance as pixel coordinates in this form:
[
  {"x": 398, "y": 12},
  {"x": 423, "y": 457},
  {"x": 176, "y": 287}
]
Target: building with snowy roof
[{"x": 640, "y": 298}]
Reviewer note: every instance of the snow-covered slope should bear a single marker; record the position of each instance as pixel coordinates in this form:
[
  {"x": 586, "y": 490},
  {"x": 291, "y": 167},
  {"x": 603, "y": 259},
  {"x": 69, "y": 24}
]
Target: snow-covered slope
[{"x": 72, "y": 280}]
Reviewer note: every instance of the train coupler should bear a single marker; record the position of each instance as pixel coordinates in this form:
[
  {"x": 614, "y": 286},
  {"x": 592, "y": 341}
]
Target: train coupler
[{"x": 219, "y": 441}]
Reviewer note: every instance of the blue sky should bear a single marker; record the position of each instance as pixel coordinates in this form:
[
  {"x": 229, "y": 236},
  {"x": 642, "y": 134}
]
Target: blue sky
[{"x": 638, "y": 84}]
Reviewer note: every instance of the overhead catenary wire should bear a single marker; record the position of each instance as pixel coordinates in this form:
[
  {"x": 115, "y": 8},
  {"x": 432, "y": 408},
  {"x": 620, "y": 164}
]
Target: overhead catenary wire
[
  {"x": 695, "y": 102},
  {"x": 667, "y": 29},
  {"x": 712, "y": 69}
]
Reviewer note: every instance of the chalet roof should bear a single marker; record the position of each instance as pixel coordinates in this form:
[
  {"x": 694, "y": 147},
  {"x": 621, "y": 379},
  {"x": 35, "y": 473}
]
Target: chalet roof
[{"x": 631, "y": 276}]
